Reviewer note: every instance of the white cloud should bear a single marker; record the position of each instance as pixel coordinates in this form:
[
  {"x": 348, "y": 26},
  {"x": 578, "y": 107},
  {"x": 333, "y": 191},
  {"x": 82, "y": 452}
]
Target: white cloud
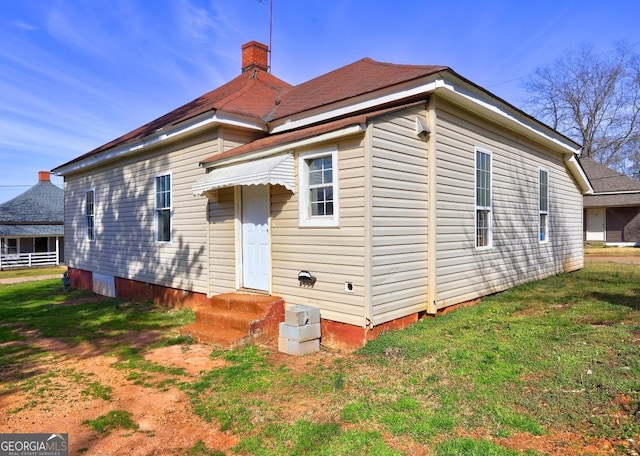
[{"x": 24, "y": 25}]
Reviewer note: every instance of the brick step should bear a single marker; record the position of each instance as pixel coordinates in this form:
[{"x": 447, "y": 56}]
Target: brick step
[
  {"x": 227, "y": 319},
  {"x": 223, "y": 338},
  {"x": 241, "y": 302},
  {"x": 231, "y": 320}
]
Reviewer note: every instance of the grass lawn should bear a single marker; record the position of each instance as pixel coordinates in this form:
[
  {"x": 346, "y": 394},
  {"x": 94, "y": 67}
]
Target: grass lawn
[
  {"x": 547, "y": 365},
  {"x": 32, "y": 272},
  {"x": 600, "y": 249}
]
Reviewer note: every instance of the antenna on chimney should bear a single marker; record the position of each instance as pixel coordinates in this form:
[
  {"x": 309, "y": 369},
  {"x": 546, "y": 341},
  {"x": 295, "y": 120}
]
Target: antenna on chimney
[{"x": 270, "y": 29}]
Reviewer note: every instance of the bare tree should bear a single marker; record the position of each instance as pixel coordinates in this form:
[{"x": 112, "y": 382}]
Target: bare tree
[{"x": 595, "y": 100}]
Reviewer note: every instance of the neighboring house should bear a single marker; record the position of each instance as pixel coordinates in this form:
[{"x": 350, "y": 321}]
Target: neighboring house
[
  {"x": 401, "y": 189},
  {"x": 31, "y": 226},
  {"x": 612, "y": 212}
]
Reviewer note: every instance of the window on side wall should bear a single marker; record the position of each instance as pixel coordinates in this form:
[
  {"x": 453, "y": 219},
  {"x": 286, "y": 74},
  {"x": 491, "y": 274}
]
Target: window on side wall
[
  {"x": 483, "y": 199},
  {"x": 543, "y": 193},
  {"x": 163, "y": 208},
  {"x": 319, "y": 188},
  {"x": 90, "y": 215}
]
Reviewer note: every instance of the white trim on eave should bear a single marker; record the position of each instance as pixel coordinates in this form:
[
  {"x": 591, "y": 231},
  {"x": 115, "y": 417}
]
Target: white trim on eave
[
  {"x": 352, "y": 107},
  {"x": 261, "y": 153},
  {"x": 622, "y": 192},
  {"x": 190, "y": 126},
  {"x": 455, "y": 89},
  {"x": 501, "y": 113},
  {"x": 571, "y": 161},
  {"x": 449, "y": 86}
]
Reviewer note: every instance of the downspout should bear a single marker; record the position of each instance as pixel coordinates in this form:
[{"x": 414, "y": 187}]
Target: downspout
[{"x": 432, "y": 218}]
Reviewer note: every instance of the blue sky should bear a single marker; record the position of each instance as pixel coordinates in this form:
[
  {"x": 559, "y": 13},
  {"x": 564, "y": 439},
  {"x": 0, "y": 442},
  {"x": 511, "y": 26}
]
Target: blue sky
[{"x": 75, "y": 74}]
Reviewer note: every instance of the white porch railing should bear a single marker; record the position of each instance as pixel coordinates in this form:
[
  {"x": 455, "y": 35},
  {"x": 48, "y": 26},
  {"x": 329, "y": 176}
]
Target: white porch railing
[{"x": 29, "y": 260}]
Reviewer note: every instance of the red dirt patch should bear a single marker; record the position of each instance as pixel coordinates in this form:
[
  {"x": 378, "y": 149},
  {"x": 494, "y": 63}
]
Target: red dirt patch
[{"x": 167, "y": 424}]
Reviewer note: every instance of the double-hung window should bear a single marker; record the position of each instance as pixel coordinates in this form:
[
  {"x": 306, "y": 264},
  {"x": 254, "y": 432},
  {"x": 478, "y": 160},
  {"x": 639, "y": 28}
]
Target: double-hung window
[
  {"x": 318, "y": 188},
  {"x": 483, "y": 198},
  {"x": 543, "y": 193},
  {"x": 163, "y": 208},
  {"x": 90, "y": 215}
]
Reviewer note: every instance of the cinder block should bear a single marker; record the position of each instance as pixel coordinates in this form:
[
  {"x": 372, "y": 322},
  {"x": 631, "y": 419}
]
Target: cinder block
[
  {"x": 300, "y": 333},
  {"x": 292, "y": 347},
  {"x": 302, "y": 315}
]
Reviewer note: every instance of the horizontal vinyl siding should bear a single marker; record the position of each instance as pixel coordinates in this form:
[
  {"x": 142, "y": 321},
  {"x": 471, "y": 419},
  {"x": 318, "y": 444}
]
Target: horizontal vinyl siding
[
  {"x": 233, "y": 137},
  {"x": 124, "y": 218},
  {"x": 516, "y": 256},
  {"x": 222, "y": 242},
  {"x": 333, "y": 255},
  {"x": 399, "y": 217}
]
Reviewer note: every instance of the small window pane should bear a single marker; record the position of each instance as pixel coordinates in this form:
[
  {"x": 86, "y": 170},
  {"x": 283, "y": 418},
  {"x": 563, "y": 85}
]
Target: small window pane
[
  {"x": 482, "y": 228},
  {"x": 164, "y": 225}
]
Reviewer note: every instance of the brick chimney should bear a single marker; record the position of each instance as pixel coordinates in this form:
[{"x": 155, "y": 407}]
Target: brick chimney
[
  {"x": 44, "y": 176},
  {"x": 255, "y": 56}
]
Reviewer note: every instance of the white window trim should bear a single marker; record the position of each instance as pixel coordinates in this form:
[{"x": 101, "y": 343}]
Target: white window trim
[
  {"x": 86, "y": 226},
  {"x": 155, "y": 208},
  {"x": 475, "y": 199},
  {"x": 540, "y": 211},
  {"x": 304, "y": 209}
]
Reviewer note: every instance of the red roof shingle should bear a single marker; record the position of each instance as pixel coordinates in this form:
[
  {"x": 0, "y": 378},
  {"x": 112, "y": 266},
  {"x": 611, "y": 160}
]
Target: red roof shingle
[
  {"x": 359, "y": 78},
  {"x": 258, "y": 94}
]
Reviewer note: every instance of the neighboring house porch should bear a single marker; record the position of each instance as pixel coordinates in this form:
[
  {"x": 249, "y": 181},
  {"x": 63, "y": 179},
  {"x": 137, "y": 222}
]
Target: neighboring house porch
[{"x": 32, "y": 227}]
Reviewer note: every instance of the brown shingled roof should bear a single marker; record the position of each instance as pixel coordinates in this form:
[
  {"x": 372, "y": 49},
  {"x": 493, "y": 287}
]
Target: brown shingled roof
[
  {"x": 251, "y": 94},
  {"x": 604, "y": 179},
  {"x": 359, "y": 78},
  {"x": 258, "y": 94}
]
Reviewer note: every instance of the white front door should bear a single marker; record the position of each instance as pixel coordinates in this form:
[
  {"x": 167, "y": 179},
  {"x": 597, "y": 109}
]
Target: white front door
[
  {"x": 595, "y": 225},
  {"x": 255, "y": 237}
]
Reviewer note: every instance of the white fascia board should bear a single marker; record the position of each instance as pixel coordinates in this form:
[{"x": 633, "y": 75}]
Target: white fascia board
[
  {"x": 623, "y": 192},
  {"x": 355, "y": 107},
  {"x": 578, "y": 173},
  {"x": 504, "y": 115},
  {"x": 444, "y": 86},
  {"x": 273, "y": 150},
  {"x": 162, "y": 135}
]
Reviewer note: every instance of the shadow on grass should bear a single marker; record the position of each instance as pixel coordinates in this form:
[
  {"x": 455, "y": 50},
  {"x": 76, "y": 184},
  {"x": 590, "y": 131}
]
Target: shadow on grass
[
  {"x": 631, "y": 300},
  {"x": 38, "y": 319}
]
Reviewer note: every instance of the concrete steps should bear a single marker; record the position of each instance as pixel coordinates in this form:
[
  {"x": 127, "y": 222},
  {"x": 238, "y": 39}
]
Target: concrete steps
[{"x": 232, "y": 320}]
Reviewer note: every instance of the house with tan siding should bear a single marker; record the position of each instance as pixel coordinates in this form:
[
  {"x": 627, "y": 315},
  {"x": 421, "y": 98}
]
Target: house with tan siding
[
  {"x": 377, "y": 193},
  {"x": 612, "y": 211}
]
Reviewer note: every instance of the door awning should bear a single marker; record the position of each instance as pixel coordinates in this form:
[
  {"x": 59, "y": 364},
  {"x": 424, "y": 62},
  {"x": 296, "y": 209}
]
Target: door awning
[{"x": 277, "y": 170}]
